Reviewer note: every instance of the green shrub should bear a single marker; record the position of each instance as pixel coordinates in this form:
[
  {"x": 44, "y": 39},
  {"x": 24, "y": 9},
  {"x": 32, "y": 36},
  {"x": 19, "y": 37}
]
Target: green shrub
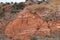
[
  {"x": 18, "y": 6},
  {"x": 33, "y": 38}
]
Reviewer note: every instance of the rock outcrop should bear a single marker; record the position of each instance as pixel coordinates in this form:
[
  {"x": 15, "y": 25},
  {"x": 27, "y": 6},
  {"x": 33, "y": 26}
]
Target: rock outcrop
[
  {"x": 32, "y": 22},
  {"x": 37, "y": 20}
]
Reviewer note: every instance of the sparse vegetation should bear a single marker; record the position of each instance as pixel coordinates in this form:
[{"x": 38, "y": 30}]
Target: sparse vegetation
[
  {"x": 2, "y": 13},
  {"x": 18, "y": 6},
  {"x": 33, "y": 38}
]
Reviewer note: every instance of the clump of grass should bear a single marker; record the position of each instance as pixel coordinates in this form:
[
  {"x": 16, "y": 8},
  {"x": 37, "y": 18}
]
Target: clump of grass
[{"x": 33, "y": 38}]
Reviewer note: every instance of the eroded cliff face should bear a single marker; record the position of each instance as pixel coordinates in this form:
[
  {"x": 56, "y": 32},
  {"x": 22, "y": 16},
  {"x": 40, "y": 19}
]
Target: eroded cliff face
[{"x": 34, "y": 20}]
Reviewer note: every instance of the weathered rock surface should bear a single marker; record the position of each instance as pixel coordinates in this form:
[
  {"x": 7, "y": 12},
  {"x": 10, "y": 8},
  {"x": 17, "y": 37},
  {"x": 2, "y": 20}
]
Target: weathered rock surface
[
  {"x": 30, "y": 23},
  {"x": 27, "y": 25}
]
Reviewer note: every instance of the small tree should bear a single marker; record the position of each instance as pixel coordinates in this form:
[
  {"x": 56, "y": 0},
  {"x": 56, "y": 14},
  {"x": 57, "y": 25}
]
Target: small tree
[{"x": 18, "y": 6}]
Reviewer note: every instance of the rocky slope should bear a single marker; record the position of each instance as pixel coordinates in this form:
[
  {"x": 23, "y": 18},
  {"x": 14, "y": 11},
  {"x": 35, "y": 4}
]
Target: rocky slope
[{"x": 35, "y": 20}]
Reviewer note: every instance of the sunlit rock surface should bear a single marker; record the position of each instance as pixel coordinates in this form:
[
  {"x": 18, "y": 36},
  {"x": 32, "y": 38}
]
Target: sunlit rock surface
[{"x": 34, "y": 21}]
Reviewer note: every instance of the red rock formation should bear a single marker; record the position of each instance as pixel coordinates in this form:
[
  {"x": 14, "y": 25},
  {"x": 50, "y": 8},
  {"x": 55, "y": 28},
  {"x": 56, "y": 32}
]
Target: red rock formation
[
  {"x": 30, "y": 23},
  {"x": 44, "y": 30},
  {"x": 55, "y": 26},
  {"x": 26, "y": 26}
]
